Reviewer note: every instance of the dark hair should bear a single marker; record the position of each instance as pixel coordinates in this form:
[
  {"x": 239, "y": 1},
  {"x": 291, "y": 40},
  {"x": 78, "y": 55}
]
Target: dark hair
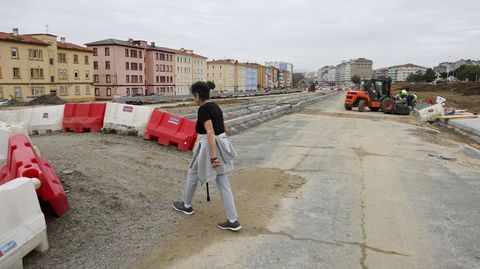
[{"x": 201, "y": 88}]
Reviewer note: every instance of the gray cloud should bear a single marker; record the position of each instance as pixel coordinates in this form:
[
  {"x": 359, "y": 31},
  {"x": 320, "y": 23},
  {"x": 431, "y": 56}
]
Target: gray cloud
[{"x": 307, "y": 33}]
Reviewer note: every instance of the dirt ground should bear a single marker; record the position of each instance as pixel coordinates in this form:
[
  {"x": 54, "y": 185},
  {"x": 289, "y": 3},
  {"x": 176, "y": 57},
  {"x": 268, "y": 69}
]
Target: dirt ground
[{"x": 120, "y": 191}]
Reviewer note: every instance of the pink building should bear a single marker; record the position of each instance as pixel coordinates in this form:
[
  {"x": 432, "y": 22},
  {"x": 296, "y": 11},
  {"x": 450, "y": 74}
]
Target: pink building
[
  {"x": 118, "y": 68},
  {"x": 160, "y": 68}
]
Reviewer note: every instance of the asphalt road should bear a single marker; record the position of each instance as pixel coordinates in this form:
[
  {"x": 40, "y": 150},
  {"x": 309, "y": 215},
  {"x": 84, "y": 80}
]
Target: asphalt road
[{"x": 379, "y": 192}]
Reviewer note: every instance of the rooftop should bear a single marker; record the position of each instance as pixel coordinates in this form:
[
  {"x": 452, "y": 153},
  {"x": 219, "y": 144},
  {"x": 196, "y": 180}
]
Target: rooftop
[
  {"x": 27, "y": 39},
  {"x": 113, "y": 41},
  {"x": 71, "y": 46}
]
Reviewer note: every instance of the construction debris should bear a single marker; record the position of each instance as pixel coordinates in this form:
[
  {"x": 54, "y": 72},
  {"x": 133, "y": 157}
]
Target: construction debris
[{"x": 47, "y": 100}]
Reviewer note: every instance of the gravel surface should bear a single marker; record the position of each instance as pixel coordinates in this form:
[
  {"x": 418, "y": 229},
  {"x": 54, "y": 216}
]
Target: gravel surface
[{"x": 119, "y": 193}]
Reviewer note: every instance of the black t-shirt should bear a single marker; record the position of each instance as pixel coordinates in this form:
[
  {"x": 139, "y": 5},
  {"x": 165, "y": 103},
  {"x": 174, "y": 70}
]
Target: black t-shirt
[{"x": 210, "y": 111}]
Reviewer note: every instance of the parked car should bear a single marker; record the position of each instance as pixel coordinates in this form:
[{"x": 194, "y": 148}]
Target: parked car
[{"x": 9, "y": 102}]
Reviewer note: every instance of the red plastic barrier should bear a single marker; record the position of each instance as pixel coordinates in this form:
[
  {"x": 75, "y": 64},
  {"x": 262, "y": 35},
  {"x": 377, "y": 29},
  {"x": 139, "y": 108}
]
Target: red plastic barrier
[
  {"x": 22, "y": 161},
  {"x": 81, "y": 118},
  {"x": 171, "y": 129}
]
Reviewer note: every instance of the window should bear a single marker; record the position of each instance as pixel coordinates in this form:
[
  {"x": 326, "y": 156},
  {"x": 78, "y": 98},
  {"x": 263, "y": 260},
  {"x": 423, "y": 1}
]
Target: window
[
  {"x": 18, "y": 92},
  {"x": 86, "y": 61},
  {"x": 127, "y": 79},
  {"x": 51, "y": 61},
  {"x": 128, "y": 91},
  {"x": 34, "y": 54},
  {"x": 107, "y": 51},
  {"x": 133, "y": 53},
  {"x": 95, "y": 65},
  {"x": 156, "y": 68},
  {"x": 95, "y": 52},
  {"x": 36, "y": 73},
  {"x": 62, "y": 74},
  {"x": 37, "y": 91},
  {"x": 162, "y": 79},
  {"x": 140, "y": 66},
  {"x": 62, "y": 58},
  {"x": 16, "y": 72},
  {"x": 126, "y": 52},
  {"x": 76, "y": 74},
  {"x": 75, "y": 58},
  {"x": 96, "y": 78},
  {"x": 107, "y": 64},
  {"x": 77, "y": 90},
  {"x": 156, "y": 55},
  {"x": 87, "y": 90},
  {"x": 140, "y": 78},
  {"x": 162, "y": 56},
  {"x": 97, "y": 92},
  {"x": 134, "y": 66},
  {"x": 134, "y": 79},
  {"x": 127, "y": 66},
  {"x": 107, "y": 77},
  {"x": 63, "y": 91},
  {"x": 15, "y": 53},
  {"x": 157, "y": 79},
  {"x": 87, "y": 75},
  {"x": 109, "y": 92},
  {"x": 1, "y": 92},
  {"x": 140, "y": 54}
]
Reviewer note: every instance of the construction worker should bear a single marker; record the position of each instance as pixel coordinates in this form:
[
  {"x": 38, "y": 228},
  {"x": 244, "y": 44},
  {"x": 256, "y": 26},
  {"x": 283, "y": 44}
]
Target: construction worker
[{"x": 404, "y": 93}]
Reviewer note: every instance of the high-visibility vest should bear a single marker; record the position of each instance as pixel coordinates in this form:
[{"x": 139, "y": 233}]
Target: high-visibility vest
[{"x": 404, "y": 92}]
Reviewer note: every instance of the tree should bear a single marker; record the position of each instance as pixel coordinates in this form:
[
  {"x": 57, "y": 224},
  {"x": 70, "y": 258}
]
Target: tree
[
  {"x": 211, "y": 85},
  {"x": 430, "y": 75},
  {"x": 416, "y": 77},
  {"x": 468, "y": 72},
  {"x": 297, "y": 77},
  {"x": 356, "y": 79}
]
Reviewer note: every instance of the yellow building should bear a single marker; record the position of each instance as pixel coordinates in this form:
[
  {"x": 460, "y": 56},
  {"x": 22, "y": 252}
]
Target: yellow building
[
  {"x": 262, "y": 76},
  {"x": 189, "y": 68},
  {"x": 222, "y": 73},
  {"x": 34, "y": 65}
]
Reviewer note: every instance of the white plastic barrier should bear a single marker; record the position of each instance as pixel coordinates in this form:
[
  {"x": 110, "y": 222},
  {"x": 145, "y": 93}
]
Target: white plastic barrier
[
  {"x": 45, "y": 119},
  {"x": 440, "y": 100},
  {"x": 6, "y": 131},
  {"x": 432, "y": 112},
  {"x": 19, "y": 117},
  {"x": 126, "y": 118},
  {"x": 22, "y": 225}
]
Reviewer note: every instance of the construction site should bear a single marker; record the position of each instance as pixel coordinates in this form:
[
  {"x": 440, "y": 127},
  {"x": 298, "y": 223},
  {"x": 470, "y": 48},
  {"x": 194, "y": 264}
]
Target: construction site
[{"x": 315, "y": 185}]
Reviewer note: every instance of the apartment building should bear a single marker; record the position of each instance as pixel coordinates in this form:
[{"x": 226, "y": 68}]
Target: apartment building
[
  {"x": 262, "y": 77},
  {"x": 37, "y": 64},
  {"x": 272, "y": 77},
  {"x": 252, "y": 77},
  {"x": 160, "y": 70},
  {"x": 240, "y": 77},
  {"x": 190, "y": 68},
  {"x": 400, "y": 73},
  {"x": 362, "y": 68},
  {"x": 118, "y": 67},
  {"x": 222, "y": 73},
  {"x": 380, "y": 72},
  {"x": 285, "y": 67}
]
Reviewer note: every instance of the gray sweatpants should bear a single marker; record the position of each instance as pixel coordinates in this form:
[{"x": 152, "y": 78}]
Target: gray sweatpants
[{"x": 223, "y": 186}]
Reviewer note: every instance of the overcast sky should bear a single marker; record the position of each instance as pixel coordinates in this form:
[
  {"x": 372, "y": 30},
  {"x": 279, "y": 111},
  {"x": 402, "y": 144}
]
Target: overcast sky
[{"x": 307, "y": 33}]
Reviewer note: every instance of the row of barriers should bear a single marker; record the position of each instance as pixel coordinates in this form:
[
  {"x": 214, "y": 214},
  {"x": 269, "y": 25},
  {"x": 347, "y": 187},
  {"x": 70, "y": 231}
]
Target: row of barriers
[{"x": 143, "y": 121}]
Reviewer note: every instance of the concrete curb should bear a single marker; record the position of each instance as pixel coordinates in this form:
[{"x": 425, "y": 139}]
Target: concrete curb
[
  {"x": 467, "y": 127},
  {"x": 241, "y": 123}
]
